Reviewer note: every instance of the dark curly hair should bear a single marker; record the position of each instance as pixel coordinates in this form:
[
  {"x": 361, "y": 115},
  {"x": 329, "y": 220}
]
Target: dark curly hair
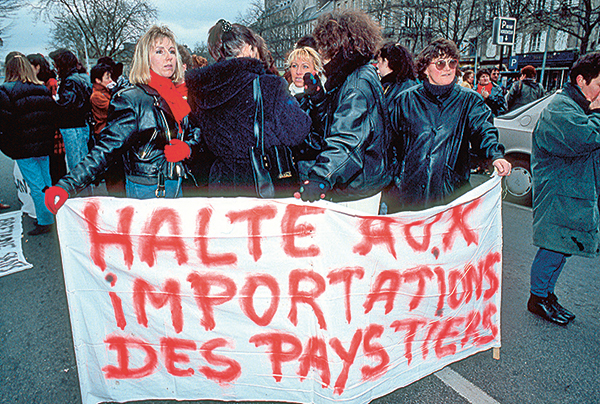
[
  {"x": 587, "y": 66},
  {"x": 439, "y": 48},
  {"x": 399, "y": 60},
  {"x": 347, "y": 31}
]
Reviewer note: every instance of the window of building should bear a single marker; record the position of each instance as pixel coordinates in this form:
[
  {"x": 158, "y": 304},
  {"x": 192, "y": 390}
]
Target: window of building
[
  {"x": 560, "y": 43},
  {"x": 536, "y": 42}
]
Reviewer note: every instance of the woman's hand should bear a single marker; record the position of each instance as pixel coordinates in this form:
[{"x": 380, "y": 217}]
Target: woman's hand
[
  {"x": 502, "y": 166},
  {"x": 177, "y": 151}
]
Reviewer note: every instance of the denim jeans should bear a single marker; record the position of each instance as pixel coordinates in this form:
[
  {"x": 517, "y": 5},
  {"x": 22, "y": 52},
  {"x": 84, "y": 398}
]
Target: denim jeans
[
  {"x": 36, "y": 173},
  {"x": 139, "y": 191},
  {"x": 547, "y": 266},
  {"x": 76, "y": 144}
]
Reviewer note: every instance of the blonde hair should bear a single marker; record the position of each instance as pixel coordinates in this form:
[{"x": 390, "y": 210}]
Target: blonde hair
[
  {"x": 19, "y": 69},
  {"x": 140, "y": 66},
  {"x": 306, "y": 53}
]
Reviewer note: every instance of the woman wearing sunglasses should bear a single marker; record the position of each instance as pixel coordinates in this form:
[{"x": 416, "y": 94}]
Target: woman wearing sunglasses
[{"x": 435, "y": 125}]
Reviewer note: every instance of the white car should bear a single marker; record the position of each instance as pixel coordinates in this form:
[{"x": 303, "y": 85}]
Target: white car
[{"x": 515, "y": 131}]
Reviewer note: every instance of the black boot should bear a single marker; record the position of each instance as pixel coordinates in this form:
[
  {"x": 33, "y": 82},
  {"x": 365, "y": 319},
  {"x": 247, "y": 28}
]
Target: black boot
[
  {"x": 40, "y": 229},
  {"x": 543, "y": 308},
  {"x": 560, "y": 309}
]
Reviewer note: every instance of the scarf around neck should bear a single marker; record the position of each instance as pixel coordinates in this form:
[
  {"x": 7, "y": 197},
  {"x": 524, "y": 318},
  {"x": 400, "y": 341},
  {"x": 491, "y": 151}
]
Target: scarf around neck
[{"x": 169, "y": 92}]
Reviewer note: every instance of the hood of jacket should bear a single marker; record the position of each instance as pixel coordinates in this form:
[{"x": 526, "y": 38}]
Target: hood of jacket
[{"x": 212, "y": 86}]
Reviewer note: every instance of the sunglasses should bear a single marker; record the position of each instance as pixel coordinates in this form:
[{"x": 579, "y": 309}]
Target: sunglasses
[{"x": 442, "y": 63}]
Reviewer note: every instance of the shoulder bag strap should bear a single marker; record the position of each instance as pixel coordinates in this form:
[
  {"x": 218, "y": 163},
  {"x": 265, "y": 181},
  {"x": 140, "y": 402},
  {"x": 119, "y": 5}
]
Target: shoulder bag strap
[{"x": 259, "y": 118}]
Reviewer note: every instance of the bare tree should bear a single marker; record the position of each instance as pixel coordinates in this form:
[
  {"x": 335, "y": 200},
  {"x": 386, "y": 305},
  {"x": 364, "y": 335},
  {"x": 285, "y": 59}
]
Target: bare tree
[
  {"x": 252, "y": 14},
  {"x": 7, "y": 11},
  {"x": 458, "y": 20},
  {"x": 106, "y": 26},
  {"x": 201, "y": 49},
  {"x": 575, "y": 17}
]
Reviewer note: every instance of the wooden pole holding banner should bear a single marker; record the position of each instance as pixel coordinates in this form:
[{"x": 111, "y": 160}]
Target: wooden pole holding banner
[{"x": 496, "y": 353}]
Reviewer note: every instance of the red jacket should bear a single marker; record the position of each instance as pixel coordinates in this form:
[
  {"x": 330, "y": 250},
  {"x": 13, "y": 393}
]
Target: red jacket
[{"x": 100, "y": 100}]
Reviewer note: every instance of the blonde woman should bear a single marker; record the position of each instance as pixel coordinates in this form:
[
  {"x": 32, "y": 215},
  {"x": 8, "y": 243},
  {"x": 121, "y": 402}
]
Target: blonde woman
[
  {"x": 301, "y": 61},
  {"x": 147, "y": 127}
]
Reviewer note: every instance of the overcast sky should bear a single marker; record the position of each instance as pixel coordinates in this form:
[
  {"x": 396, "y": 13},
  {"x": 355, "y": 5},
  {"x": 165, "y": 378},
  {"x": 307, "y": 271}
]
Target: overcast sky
[{"x": 190, "y": 20}]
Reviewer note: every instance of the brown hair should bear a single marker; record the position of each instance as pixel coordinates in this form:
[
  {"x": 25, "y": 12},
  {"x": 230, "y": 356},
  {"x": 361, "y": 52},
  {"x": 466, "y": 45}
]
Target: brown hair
[
  {"x": 19, "y": 69},
  {"x": 529, "y": 72},
  {"x": 347, "y": 31},
  {"x": 439, "y": 48}
]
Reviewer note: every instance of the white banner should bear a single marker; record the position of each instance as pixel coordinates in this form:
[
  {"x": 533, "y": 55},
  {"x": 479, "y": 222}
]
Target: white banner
[
  {"x": 249, "y": 299},
  {"x": 24, "y": 193},
  {"x": 11, "y": 251}
]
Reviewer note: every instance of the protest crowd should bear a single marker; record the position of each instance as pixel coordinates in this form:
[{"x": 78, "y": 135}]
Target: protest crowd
[{"x": 358, "y": 122}]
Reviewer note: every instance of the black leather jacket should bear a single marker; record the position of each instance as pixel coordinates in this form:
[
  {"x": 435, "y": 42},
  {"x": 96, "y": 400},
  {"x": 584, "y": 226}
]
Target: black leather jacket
[
  {"x": 140, "y": 124},
  {"x": 355, "y": 157},
  {"x": 74, "y": 99},
  {"x": 435, "y": 132},
  {"x": 391, "y": 88}
]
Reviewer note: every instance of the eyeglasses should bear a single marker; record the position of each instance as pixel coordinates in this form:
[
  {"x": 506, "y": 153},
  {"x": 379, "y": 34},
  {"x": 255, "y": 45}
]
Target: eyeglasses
[{"x": 442, "y": 63}]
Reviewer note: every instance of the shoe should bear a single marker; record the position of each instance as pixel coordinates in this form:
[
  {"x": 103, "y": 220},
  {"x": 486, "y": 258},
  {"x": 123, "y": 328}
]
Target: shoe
[
  {"x": 4, "y": 206},
  {"x": 560, "y": 309},
  {"x": 40, "y": 229},
  {"x": 543, "y": 308}
]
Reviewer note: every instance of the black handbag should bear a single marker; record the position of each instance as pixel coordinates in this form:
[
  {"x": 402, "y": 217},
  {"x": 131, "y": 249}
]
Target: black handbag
[{"x": 273, "y": 166}]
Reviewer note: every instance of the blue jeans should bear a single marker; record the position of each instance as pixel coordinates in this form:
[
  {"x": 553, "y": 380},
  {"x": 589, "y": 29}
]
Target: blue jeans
[
  {"x": 140, "y": 191},
  {"x": 76, "y": 144},
  {"x": 36, "y": 173},
  {"x": 547, "y": 266}
]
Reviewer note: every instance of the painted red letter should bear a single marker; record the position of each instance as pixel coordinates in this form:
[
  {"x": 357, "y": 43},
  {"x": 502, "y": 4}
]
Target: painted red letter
[
  {"x": 275, "y": 342},
  {"x": 99, "y": 241},
  {"x": 254, "y": 217},
  {"x": 306, "y": 296},
  {"x": 233, "y": 369},
  {"x": 123, "y": 371},
  {"x": 374, "y": 350},
  {"x": 202, "y": 238},
  {"x": 168, "y": 347},
  {"x": 290, "y": 231},
  {"x": 381, "y": 234},
  {"x": 345, "y": 275},
  {"x": 170, "y": 293},
  {"x": 247, "y": 295},
  {"x": 202, "y": 284}
]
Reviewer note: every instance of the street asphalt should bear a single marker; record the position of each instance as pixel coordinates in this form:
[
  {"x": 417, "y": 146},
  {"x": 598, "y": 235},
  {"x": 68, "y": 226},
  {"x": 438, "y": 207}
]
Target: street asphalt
[{"x": 539, "y": 362}]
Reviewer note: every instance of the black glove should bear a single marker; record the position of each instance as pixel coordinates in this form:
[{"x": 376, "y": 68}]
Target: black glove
[
  {"x": 313, "y": 190},
  {"x": 313, "y": 87}
]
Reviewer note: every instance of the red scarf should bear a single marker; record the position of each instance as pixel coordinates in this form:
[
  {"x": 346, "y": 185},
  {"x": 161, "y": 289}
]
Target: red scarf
[{"x": 167, "y": 90}]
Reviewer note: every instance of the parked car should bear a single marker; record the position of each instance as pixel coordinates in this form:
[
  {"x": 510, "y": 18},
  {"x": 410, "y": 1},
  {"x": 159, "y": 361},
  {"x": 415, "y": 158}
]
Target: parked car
[{"x": 515, "y": 131}]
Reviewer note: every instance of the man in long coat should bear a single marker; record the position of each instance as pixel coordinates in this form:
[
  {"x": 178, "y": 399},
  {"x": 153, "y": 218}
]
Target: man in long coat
[{"x": 566, "y": 184}]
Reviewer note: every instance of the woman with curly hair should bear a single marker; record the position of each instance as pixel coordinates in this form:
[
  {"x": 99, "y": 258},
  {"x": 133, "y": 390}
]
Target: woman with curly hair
[
  {"x": 354, "y": 161},
  {"x": 435, "y": 124}
]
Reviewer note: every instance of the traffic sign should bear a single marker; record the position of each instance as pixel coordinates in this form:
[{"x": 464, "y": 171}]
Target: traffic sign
[{"x": 504, "y": 31}]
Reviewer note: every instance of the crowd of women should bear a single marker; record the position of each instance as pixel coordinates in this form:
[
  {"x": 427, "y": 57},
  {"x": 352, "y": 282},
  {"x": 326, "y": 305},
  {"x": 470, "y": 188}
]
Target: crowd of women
[{"x": 383, "y": 137}]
